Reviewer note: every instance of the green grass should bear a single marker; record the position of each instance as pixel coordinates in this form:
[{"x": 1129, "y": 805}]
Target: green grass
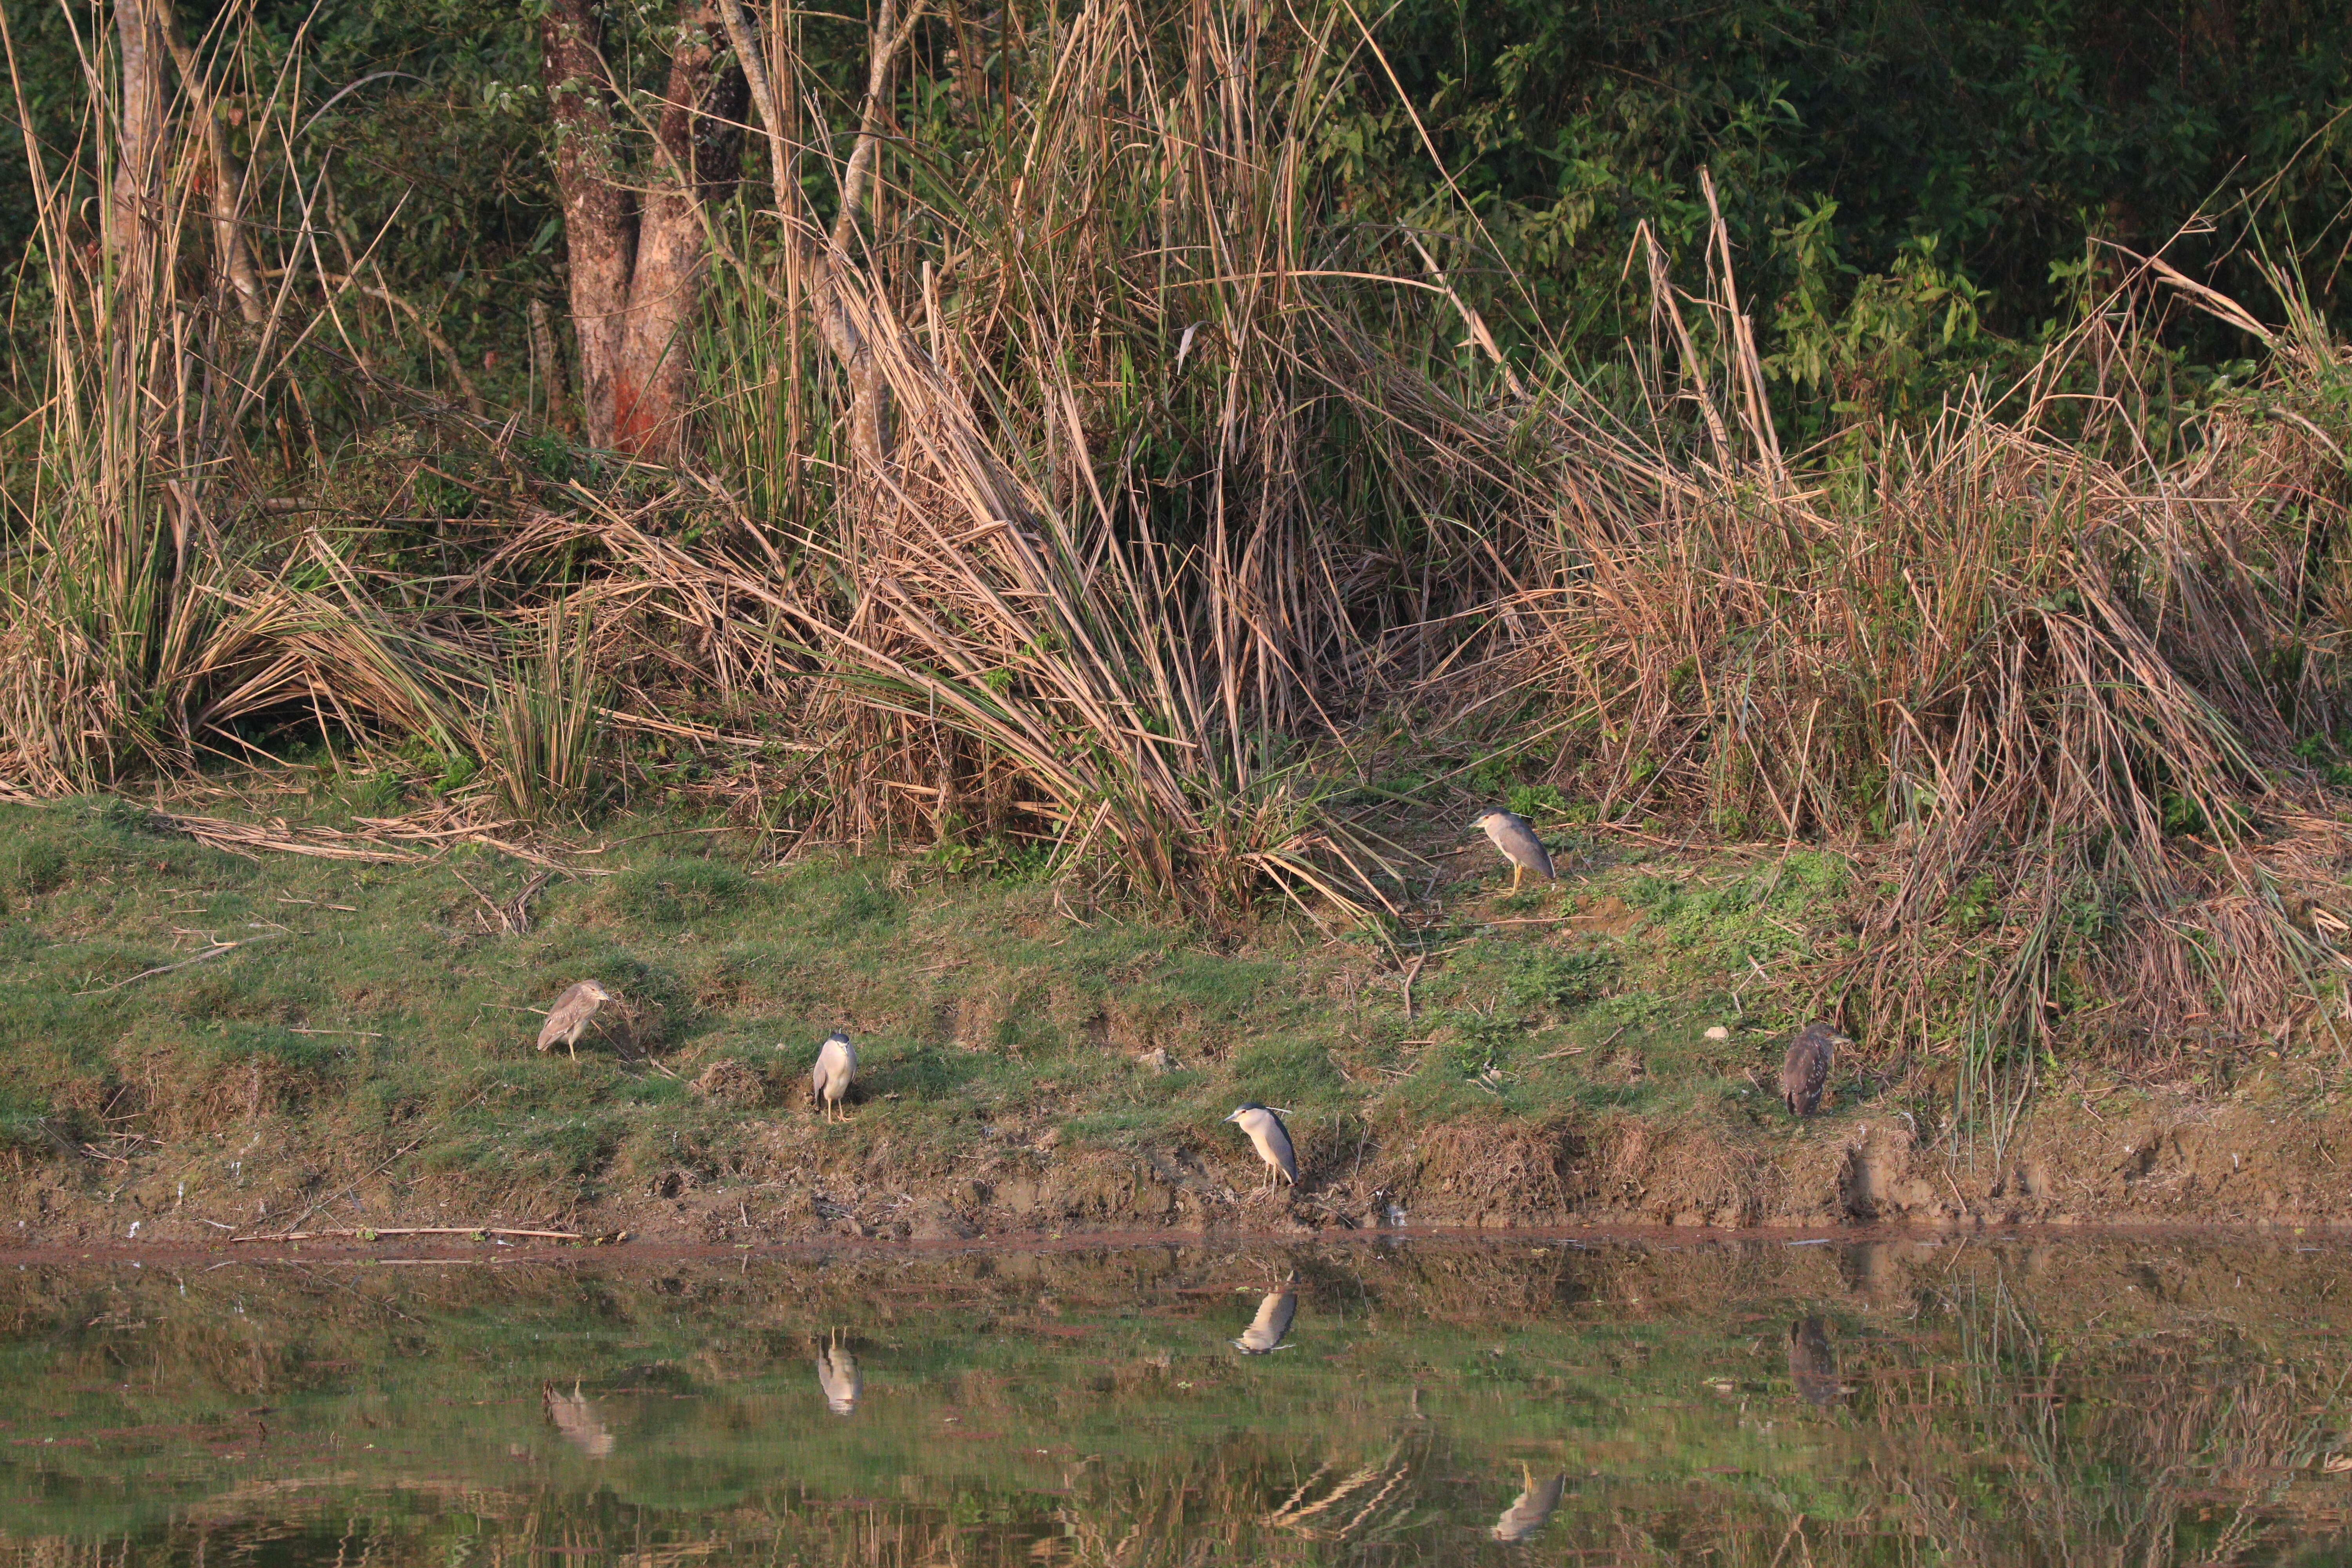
[
  {"x": 374, "y": 1006},
  {"x": 378, "y": 1018}
]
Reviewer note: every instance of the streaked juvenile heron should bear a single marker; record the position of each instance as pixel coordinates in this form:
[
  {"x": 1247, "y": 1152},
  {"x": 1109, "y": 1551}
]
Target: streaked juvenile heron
[
  {"x": 570, "y": 1015},
  {"x": 1271, "y": 1326},
  {"x": 836, "y": 1377},
  {"x": 1272, "y": 1141},
  {"x": 1512, "y": 835},
  {"x": 1535, "y": 1503},
  {"x": 837, "y": 1064},
  {"x": 1805, "y": 1071}
]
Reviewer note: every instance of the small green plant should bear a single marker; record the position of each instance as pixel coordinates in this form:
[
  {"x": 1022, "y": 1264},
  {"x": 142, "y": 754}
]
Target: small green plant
[
  {"x": 1480, "y": 1039},
  {"x": 1542, "y": 802},
  {"x": 1547, "y": 977},
  {"x": 1977, "y": 905}
]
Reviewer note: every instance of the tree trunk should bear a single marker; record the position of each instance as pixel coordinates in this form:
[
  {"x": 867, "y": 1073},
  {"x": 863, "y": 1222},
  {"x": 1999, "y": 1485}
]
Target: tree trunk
[
  {"x": 136, "y": 202},
  {"x": 872, "y": 436},
  {"x": 635, "y": 238},
  {"x": 230, "y": 252}
]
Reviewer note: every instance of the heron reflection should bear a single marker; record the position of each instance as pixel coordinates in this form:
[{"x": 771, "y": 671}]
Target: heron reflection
[
  {"x": 574, "y": 1415},
  {"x": 1530, "y": 1508},
  {"x": 836, "y": 1375},
  {"x": 1812, "y": 1364},
  {"x": 1267, "y": 1330}
]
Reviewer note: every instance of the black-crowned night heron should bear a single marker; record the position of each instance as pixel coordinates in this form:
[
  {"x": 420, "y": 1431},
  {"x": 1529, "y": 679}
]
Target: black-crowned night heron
[
  {"x": 1530, "y": 1508},
  {"x": 1518, "y": 841},
  {"x": 575, "y": 1417},
  {"x": 836, "y": 1375},
  {"x": 1805, "y": 1070},
  {"x": 837, "y": 1064},
  {"x": 1272, "y": 1141},
  {"x": 570, "y": 1016},
  {"x": 1271, "y": 1326},
  {"x": 1812, "y": 1364}
]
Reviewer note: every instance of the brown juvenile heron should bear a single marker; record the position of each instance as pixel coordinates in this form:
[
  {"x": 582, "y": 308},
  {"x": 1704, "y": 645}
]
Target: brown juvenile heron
[
  {"x": 1805, "y": 1071},
  {"x": 837, "y": 1064},
  {"x": 570, "y": 1015},
  {"x": 1272, "y": 1140},
  {"x": 1512, "y": 835}
]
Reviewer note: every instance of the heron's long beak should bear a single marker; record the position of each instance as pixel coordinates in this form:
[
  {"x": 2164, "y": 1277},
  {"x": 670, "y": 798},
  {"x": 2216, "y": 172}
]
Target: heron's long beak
[{"x": 1237, "y": 1116}]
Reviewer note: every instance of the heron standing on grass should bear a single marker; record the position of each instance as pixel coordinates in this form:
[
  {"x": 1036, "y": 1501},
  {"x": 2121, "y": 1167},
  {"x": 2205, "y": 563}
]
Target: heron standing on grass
[
  {"x": 1512, "y": 835},
  {"x": 570, "y": 1016},
  {"x": 837, "y": 1064},
  {"x": 1272, "y": 1141},
  {"x": 1805, "y": 1071}
]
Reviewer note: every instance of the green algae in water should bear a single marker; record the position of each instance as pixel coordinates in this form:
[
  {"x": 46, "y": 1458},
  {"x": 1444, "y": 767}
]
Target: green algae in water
[{"x": 2147, "y": 1400}]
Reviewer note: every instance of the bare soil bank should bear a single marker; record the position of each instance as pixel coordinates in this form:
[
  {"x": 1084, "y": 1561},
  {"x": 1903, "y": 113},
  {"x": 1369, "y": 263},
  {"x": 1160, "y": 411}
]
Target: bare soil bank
[{"x": 2168, "y": 1160}]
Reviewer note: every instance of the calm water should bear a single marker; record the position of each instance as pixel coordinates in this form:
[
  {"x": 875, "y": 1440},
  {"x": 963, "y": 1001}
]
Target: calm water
[{"x": 2118, "y": 1400}]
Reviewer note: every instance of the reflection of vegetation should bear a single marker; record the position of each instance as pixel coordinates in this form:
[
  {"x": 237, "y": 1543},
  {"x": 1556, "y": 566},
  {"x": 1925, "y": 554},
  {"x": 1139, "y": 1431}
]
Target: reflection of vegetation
[{"x": 1085, "y": 1409}]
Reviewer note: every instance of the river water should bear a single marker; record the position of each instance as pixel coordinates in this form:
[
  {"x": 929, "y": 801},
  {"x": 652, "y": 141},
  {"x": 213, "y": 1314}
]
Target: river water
[{"x": 2113, "y": 1399}]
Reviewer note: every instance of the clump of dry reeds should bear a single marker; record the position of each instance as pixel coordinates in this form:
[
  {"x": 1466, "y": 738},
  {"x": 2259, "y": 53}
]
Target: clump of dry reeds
[{"x": 2049, "y": 688}]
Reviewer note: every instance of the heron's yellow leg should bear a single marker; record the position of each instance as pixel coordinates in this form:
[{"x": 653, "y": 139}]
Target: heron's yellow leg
[{"x": 1517, "y": 871}]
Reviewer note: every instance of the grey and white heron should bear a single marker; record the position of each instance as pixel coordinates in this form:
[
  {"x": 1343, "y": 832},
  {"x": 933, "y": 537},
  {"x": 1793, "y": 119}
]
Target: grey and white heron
[
  {"x": 1517, "y": 839},
  {"x": 837, "y": 1064},
  {"x": 836, "y": 1375},
  {"x": 569, "y": 1017},
  {"x": 1805, "y": 1070},
  {"x": 1531, "y": 1508},
  {"x": 1272, "y": 1141},
  {"x": 1271, "y": 1326}
]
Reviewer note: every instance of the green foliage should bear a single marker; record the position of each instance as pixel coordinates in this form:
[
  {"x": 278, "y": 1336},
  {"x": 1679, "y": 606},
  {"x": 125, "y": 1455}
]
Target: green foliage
[{"x": 1905, "y": 187}]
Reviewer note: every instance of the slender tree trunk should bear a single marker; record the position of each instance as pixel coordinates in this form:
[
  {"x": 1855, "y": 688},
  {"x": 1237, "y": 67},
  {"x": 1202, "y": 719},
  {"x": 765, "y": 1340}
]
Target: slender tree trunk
[
  {"x": 872, "y": 437},
  {"x": 230, "y": 252},
  {"x": 136, "y": 202},
  {"x": 634, "y": 239}
]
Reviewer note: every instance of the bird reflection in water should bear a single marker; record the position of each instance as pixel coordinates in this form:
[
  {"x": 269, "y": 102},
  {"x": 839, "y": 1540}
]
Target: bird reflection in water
[
  {"x": 1530, "y": 1508},
  {"x": 836, "y": 1375},
  {"x": 1266, "y": 1331},
  {"x": 574, "y": 1415},
  {"x": 1812, "y": 1364}
]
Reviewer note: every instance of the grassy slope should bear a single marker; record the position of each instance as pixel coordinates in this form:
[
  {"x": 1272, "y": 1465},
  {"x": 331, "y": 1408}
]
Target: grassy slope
[{"x": 375, "y": 1036}]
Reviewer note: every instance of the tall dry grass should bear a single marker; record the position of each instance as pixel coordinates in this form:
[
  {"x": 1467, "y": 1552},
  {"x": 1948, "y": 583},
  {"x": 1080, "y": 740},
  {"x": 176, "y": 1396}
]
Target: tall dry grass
[{"x": 1151, "y": 497}]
